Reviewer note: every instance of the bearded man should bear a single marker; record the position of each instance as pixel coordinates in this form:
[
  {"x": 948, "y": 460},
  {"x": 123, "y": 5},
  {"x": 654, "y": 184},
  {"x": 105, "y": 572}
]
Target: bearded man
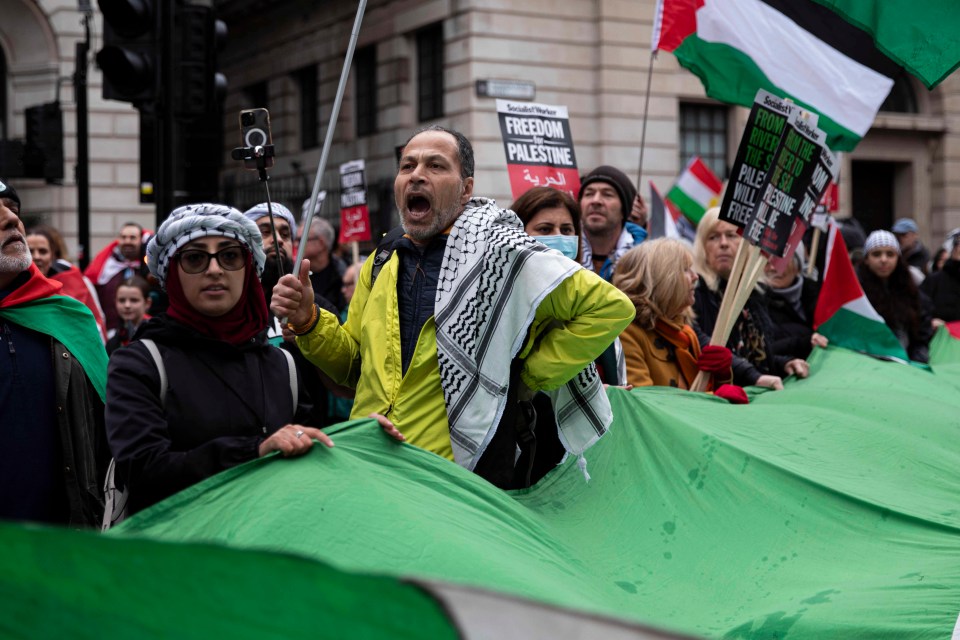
[
  {"x": 459, "y": 319},
  {"x": 53, "y": 371}
]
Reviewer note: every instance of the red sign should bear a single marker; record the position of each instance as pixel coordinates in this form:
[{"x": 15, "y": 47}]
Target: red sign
[
  {"x": 831, "y": 198},
  {"x": 354, "y": 215},
  {"x": 524, "y": 177},
  {"x": 354, "y": 224}
]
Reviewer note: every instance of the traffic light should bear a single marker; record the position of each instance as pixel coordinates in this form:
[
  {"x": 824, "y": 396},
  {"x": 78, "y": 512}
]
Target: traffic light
[
  {"x": 43, "y": 153},
  {"x": 131, "y": 55},
  {"x": 198, "y": 88}
]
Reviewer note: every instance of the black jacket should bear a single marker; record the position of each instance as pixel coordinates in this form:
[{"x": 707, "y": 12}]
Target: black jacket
[
  {"x": 791, "y": 331},
  {"x": 750, "y": 340},
  {"x": 943, "y": 289},
  {"x": 222, "y": 402}
]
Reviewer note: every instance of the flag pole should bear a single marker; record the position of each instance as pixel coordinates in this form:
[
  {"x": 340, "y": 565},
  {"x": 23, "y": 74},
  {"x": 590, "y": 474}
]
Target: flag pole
[
  {"x": 646, "y": 111},
  {"x": 328, "y": 140},
  {"x": 814, "y": 248}
]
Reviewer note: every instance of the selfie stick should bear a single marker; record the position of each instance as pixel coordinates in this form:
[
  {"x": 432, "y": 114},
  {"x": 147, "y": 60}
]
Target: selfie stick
[
  {"x": 329, "y": 138},
  {"x": 261, "y": 154}
]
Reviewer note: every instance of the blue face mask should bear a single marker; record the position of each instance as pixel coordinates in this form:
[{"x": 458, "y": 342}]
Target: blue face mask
[{"x": 567, "y": 245}]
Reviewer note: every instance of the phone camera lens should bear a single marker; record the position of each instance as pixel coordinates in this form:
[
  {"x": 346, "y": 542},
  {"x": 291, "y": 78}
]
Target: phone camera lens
[{"x": 247, "y": 119}]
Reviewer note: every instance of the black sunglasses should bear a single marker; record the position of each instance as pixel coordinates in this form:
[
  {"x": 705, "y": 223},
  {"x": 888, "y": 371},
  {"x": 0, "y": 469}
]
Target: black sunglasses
[{"x": 195, "y": 261}]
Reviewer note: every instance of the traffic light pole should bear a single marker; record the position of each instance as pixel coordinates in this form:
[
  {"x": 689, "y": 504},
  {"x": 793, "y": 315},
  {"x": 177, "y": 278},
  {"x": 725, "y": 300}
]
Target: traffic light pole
[
  {"x": 82, "y": 170},
  {"x": 166, "y": 124}
]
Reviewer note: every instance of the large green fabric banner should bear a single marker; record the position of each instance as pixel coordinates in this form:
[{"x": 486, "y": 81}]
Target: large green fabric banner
[{"x": 829, "y": 509}]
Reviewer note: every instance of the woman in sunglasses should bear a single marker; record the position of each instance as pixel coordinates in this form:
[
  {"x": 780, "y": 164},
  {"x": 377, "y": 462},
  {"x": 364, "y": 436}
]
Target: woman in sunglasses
[{"x": 226, "y": 396}]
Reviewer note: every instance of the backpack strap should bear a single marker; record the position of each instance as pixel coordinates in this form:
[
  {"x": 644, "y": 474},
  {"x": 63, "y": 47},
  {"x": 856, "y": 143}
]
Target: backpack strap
[
  {"x": 161, "y": 369},
  {"x": 383, "y": 251},
  {"x": 292, "y": 374},
  {"x": 114, "y": 498}
]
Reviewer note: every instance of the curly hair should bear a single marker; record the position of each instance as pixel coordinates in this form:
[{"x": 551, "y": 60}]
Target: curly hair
[{"x": 652, "y": 275}]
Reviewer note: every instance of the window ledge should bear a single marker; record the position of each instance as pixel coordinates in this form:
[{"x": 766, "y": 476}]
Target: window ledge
[{"x": 910, "y": 122}]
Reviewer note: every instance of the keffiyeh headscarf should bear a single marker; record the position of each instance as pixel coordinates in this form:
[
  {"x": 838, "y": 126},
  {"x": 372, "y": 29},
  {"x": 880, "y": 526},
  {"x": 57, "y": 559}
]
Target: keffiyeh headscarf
[
  {"x": 192, "y": 221},
  {"x": 250, "y": 316},
  {"x": 492, "y": 280}
]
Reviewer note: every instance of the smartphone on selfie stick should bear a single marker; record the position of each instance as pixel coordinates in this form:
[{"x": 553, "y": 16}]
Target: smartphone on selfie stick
[{"x": 257, "y": 154}]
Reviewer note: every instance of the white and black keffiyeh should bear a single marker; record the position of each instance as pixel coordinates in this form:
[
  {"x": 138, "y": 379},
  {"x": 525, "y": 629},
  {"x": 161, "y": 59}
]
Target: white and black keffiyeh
[
  {"x": 193, "y": 221},
  {"x": 492, "y": 280}
]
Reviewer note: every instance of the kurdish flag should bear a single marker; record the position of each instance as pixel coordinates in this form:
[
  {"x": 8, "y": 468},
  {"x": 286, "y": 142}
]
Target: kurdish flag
[
  {"x": 843, "y": 313},
  {"x": 836, "y": 57},
  {"x": 697, "y": 189}
]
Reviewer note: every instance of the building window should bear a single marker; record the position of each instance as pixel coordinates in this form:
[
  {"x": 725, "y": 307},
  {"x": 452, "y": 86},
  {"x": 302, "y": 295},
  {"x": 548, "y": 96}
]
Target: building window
[
  {"x": 430, "y": 72},
  {"x": 703, "y": 132},
  {"x": 902, "y": 98},
  {"x": 306, "y": 79},
  {"x": 365, "y": 62},
  {"x": 257, "y": 96}
]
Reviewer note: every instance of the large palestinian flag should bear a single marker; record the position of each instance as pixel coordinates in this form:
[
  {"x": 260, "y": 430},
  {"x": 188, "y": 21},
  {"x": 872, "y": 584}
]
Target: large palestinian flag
[
  {"x": 837, "y": 57},
  {"x": 826, "y": 510}
]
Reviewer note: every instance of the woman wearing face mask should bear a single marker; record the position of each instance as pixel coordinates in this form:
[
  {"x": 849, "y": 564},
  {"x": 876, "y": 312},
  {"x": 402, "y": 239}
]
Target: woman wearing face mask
[
  {"x": 230, "y": 395},
  {"x": 890, "y": 288},
  {"x": 553, "y": 218}
]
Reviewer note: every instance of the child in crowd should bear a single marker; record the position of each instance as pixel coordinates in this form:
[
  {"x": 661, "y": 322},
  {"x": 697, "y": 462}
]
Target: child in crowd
[{"x": 133, "y": 302}]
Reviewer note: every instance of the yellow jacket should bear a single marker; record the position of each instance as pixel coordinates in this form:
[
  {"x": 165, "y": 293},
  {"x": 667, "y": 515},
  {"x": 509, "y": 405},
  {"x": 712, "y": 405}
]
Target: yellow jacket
[{"x": 571, "y": 327}]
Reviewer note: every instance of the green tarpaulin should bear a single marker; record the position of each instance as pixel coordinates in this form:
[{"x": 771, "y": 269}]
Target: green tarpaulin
[{"x": 829, "y": 509}]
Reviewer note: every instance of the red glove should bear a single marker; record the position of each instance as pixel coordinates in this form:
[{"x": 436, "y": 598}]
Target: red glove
[
  {"x": 715, "y": 359},
  {"x": 732, "y": 394}
]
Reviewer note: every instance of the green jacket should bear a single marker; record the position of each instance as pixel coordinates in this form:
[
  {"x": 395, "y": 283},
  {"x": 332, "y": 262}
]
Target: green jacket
[{"x": 571, "y": 327}]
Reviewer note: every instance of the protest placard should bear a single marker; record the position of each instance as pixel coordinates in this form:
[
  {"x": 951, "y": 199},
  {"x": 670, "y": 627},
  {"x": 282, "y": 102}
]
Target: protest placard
[
  {"x": 539, "y": 147},
  {"x": 797, "y": 179},
  {"x": 354, "y": 214},
  {"x": 758, "y": 146}
]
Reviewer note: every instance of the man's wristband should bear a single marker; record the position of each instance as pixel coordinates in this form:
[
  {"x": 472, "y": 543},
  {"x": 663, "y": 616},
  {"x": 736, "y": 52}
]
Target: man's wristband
[{"x": 307, "y": 327}]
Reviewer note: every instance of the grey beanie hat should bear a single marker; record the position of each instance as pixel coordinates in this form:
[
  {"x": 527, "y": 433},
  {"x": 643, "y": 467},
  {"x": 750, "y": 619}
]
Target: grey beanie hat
[
  {"x": 279, "y": 211},
  {"x": 192, "y": 221},
  {"x": 881, "y": 238}
]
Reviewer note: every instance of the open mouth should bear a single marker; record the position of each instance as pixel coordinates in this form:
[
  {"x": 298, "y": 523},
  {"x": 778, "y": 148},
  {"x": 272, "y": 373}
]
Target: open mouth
[{"x": 417, "y": 203}]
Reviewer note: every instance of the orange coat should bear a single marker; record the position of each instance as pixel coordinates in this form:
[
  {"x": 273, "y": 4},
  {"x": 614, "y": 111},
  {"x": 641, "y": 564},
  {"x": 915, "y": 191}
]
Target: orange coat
[{"x": 651, "y": 359}]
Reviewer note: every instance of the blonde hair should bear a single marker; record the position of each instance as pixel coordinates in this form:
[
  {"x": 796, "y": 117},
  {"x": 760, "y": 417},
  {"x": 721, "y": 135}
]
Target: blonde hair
[{"x": 652, "y": 276}]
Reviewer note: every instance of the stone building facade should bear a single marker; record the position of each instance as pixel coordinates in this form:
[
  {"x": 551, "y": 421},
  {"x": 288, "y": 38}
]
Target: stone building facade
[{"x": 417, "y": 63}]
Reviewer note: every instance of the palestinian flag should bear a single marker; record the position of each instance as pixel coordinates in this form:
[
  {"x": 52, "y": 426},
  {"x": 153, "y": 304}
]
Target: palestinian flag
[
  {"x": 839, "y": 61},
  {"x": 38, "y": 305},
  {"x": 697, "y": 189},
  {"x": 663, "y": 220},
  {"x": 843, "y": 313}
]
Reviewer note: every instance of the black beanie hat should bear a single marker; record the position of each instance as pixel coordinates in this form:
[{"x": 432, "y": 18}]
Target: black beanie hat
[
  {"x": 618, "y": 180},
  {"x": 6, "y": 191}
]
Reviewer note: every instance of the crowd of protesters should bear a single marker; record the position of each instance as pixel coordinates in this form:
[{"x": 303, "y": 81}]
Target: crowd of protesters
[{"x": 471, "y": 331}]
